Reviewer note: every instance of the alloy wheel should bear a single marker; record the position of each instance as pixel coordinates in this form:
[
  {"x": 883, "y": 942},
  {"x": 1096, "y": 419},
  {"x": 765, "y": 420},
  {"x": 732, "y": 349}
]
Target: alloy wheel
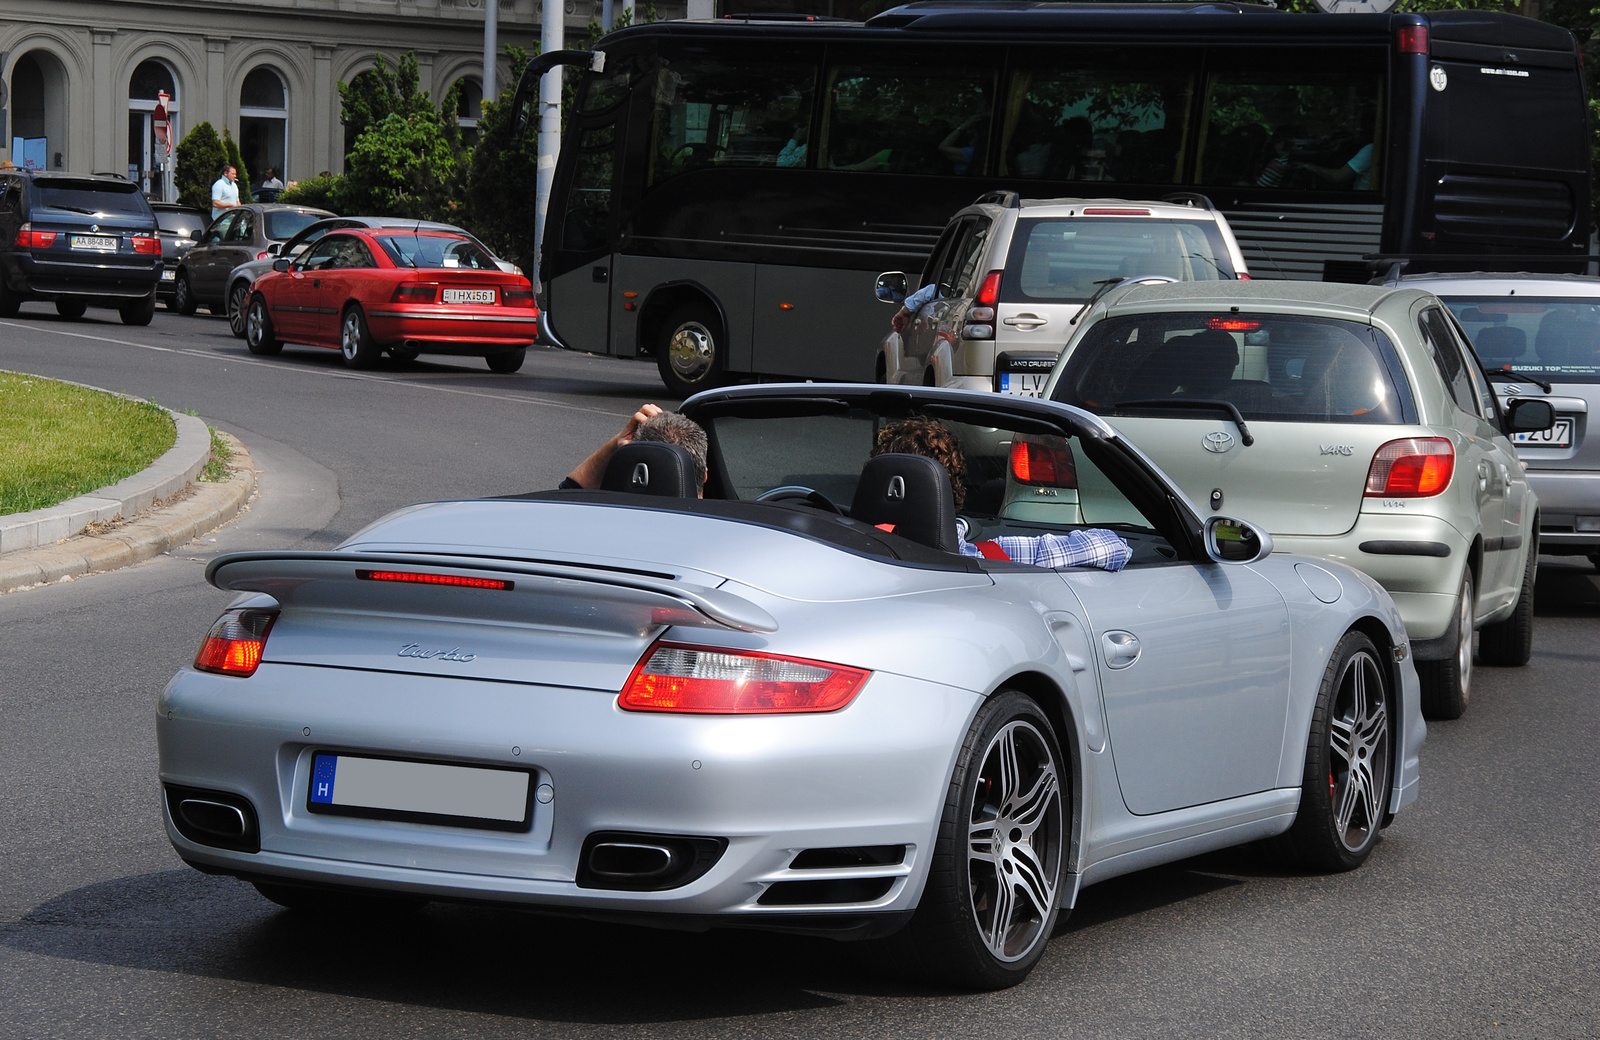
[
  {"x": 238, "y": 300},
  {"x": 1358, "y": 762},
  {"x": 350, "y": 335},
  {"x": 1014, "y": 841},
  {"x": 1464, "y": 642},
  {"x": 255, "y": 323}
]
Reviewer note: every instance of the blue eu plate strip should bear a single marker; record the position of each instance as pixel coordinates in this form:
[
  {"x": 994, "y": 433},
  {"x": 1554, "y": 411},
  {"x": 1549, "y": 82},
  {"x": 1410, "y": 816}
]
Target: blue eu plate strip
[{"x": 323, "y": 769}]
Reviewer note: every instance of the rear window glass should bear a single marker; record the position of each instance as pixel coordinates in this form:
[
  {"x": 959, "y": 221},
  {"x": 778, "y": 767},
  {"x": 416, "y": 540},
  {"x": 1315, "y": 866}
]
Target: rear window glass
[
  {"x": 441, "y": 251},
  {"x": 1269, "y": 366},
  {"x": 286, "y": 223},
  {"x": 183, "y": 223},
  {"x": 1559, "y": 339},
  {"x": 92, "y": 199},
  {"x": 1066, "y": 260}
]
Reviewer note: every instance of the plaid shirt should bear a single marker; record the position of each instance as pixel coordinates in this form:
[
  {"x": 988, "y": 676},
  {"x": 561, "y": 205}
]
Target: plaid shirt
[{"x": 1090, "y": 547}]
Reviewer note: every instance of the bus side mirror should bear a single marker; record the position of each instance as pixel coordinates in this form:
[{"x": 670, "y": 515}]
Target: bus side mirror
[
  {"x": 1526, "y": 416},
  {"x": 891, "y": 288}
]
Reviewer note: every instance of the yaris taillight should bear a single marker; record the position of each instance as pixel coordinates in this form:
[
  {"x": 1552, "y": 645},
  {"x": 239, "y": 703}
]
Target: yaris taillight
[
  {"x": 702, "y": 681},
  {"x": 235, "y": 643},
  {"x": 1412, "y": 467}
]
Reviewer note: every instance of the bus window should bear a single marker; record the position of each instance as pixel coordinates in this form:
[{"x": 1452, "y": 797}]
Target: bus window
[
  {"x": 1097, "y": 124},
  {"x": 1315, "y": 126},
  {"x": 712, "y": 113},
  {"x": 903, "y": 121}
]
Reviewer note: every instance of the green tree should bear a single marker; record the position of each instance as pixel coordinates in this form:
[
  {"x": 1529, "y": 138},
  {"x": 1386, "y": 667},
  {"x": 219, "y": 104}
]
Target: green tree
[
  {"x": 402, "y": 167},
  {"x": 381, "y": 91},
  {"x": 200, "y": 161},
  {"x": 318, "y": 192},
  {"x": 502, "y": 184}
]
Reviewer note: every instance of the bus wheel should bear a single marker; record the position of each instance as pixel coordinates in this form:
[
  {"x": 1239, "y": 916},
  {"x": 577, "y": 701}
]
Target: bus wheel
[{"x": 689, "y": 353}]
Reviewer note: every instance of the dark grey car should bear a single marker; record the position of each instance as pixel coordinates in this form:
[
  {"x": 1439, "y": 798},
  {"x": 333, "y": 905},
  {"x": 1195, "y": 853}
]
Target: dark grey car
[{"x": 245, "y": 233}]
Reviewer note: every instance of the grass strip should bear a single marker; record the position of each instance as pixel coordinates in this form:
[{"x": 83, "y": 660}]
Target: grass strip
[{"x": 59, "y": 441}]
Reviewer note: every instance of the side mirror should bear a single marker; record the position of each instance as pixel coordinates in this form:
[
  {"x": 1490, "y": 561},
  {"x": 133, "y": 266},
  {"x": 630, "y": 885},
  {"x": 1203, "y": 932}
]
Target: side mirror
[
  {"x": 1529, "y": 416},
  {"x": 1231, "y": 540},
  {"x": 197, "y": 234},
  {"x": 273, "y": 248},
  {"x": 281, "y": 264},
  {"x": 891, "y": 288}
]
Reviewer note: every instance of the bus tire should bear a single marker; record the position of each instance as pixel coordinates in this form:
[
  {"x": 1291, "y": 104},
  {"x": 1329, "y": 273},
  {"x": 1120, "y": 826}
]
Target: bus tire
[{"x": 690, "y": 352}]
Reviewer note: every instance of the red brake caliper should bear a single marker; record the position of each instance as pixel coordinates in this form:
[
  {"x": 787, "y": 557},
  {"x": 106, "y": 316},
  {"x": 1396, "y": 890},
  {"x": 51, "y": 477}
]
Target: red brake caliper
[{"x": 1330, "y": 785}]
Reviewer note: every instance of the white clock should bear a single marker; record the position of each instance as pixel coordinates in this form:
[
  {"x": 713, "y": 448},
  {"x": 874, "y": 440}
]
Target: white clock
[{"x": 1355, "y": 6}]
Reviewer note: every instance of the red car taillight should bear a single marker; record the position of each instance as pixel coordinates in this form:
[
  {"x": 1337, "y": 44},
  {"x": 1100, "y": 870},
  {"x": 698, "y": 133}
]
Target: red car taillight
[
  {"x": 421, "y": 578},
  {"x": 989, "y": 291},
  {"x": 1045, "y": 465},
  {"x": 516, "y": 297},
  {"x": 1413, "y": 467},
  {"x": 235, "y": 643},
  {"x": 415, "y": 292},
  {"x": 28, "y": 238},
  {"x": 146, "y": 244},
  {"x": 693, "y": 680}
]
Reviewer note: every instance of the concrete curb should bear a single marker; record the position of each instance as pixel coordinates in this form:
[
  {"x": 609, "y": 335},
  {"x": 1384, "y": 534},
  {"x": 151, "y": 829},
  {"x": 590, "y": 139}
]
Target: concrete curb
[
  {"x": 162, "y": 479},
  {"x": 179, "y": 516}
]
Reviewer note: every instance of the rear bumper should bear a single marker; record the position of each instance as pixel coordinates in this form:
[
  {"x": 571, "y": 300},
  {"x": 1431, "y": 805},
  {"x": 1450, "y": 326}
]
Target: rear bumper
[
  {"x": 1568, "y": 501},
  {"x": 465, "y": 330},
  {"x": 50, "y": 279}
]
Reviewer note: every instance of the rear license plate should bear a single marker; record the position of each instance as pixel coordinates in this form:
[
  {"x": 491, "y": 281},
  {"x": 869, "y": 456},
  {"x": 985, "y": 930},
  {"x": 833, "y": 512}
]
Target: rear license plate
[
  {"x": 94, "y": 243},
  {"x": 1557, "y": 436},
  {"x": 425, "y": 792},
  {"x": 469, "y": 296},
  {"x": 168, "y": 275},
  {"x": 1023, "y": 384}
]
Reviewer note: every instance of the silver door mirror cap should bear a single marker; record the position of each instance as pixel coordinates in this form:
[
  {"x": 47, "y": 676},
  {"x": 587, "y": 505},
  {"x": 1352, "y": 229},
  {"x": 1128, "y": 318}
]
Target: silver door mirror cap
[{"x": 1231, "y": 540}]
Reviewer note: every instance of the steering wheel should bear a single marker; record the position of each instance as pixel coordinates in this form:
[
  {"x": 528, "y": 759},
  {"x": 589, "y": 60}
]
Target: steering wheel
[
  {"x": 697, "y": 150},
  {"x": 794, "y": 492}
]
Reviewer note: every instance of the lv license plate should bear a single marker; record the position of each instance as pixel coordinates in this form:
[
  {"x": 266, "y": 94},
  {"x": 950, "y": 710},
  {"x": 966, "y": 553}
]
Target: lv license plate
[
  {"x": 1023, "y": 384},
  {"x": 1557, "y": 436},
  {"x": 94, "y": 243},
  {"x": 469, "y": 296},
  {"x": 425, "y": 792}
]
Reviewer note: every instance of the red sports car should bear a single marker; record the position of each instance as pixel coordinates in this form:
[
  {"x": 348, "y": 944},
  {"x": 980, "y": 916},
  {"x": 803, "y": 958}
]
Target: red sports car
[{"x": 366, "y": 291}]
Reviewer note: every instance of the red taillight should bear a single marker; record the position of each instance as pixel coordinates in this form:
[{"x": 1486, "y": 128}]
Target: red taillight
[
  {"x": 1242, "y": 276},
  {"x": 698, "y": 681},
  {"x": 1413, "y": 39},
  {"x": 145, "y": 244},
  {"x": 1413, "y": 467},
  {"x": 414, "y": 292},
  {"x": 1108, "y": 211},
  {"x": 1233, "y": 324},
  {"x": 422, "y": 578},
  {"x": 28, "y": 238},
  {"x": 516, "y": 297},
  {"x": 235, "y": 642},
  {"x": 263, "y": 255},
  {"x": 1045, "y": 465},
  {"x": 989, "y": 292}
]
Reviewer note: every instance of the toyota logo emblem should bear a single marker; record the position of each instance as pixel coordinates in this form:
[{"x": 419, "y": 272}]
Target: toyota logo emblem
[{"x": 1218, "y": 442}]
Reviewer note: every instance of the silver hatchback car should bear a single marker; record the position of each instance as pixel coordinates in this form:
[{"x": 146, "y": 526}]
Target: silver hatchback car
[
  {"x": 1539, "y": 336},
  {"x": 1354, "y": 423}
]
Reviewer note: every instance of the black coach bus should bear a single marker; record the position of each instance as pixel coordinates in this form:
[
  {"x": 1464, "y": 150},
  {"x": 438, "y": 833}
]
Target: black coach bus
[{"x": 728, "y": 190}]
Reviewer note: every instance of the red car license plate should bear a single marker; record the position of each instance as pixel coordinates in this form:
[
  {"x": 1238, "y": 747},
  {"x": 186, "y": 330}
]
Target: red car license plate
[{"x": 469, "y": 296}]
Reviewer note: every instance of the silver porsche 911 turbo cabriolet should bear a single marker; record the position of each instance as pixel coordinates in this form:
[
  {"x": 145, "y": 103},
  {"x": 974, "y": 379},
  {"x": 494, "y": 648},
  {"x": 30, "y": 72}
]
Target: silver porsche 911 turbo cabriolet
[{"x": 800, "y": 702}]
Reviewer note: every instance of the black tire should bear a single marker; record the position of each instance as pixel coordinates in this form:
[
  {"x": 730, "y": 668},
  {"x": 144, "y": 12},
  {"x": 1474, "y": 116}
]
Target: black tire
[
  {"x": 507, "y": 362},
  {"x": 1509, "y": 643},
  {"x": 691, "y": 350},
  {"x": 139, "y": 312},
  {"x": 355, "y": 339},
  {"x": 183, "y": 300},
  {"x": 238, "y": 300},
  {"x": 1447, "y": 683},
  {"x": 72, "y": 310},
  {"x": 335, "y": 902},
  {"x": 952, "y": 937},
  {"x": 10, "y": 302},
  {"x": 403, "y": 356},
  {"x": 259, "y": 335},
  {"x": 1344, "y": 796}
]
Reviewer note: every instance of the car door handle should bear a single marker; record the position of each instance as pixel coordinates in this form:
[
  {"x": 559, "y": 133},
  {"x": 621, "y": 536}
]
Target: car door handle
[
  {"x": 1025, "y": 322},
  {"x": 316, "y": 283},
  {"x": 1121, "y": 648}
]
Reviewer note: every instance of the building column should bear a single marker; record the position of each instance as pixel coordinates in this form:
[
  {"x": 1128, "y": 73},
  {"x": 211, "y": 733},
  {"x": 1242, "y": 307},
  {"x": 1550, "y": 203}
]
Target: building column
[
  {"x": 216, "y": 100},
  {"x": 104, "y": 108},
  {"x": 326, "y": 127},
  {"x": 425, "y": 73}
]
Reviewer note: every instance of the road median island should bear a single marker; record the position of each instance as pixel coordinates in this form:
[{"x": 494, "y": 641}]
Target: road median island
[{"x": 189, "y": 490}]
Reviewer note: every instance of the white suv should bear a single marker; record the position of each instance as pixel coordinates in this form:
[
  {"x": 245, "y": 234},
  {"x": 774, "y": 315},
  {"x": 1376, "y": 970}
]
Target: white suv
[{"x": 1012, "y": 275}]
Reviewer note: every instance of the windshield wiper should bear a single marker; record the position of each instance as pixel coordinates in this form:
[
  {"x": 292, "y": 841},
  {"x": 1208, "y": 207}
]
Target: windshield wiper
[
  {"x": 1226, "y": 407},
  {"x": 1509, "y": 375},
  {"x": 1223, "y": 271},
  {"x": 75, "y": 209},
  {"x": 1105, "y": 285}
]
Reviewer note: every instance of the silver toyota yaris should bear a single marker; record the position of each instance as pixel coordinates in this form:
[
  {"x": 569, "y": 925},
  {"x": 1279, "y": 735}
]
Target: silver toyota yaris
[{"x": 795, "y": 703}]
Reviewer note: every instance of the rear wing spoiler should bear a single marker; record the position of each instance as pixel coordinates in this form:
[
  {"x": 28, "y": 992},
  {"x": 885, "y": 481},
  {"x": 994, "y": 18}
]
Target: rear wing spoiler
[{"x": 540, "y": 593}]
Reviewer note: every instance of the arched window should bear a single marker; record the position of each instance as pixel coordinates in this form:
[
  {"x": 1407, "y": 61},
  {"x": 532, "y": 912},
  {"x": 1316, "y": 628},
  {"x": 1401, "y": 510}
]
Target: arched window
[
  {"x": 264, "y": 128},
  {"x": 38, "y": 136},
  {"x": 151, "y": 146},
  {"x": 469, "y": 106}
]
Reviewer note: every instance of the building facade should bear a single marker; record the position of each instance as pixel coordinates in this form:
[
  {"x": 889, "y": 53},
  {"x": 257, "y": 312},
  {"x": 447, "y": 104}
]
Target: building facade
[{"x": 80, "y": 80}]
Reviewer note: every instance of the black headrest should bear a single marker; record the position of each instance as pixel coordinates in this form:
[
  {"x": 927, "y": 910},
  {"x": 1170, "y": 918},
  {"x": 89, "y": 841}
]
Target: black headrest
[
  {"x": 1500, "y": 344},
  {"x": 912, "y": 492},
  {"x": 652, "y": 468}
]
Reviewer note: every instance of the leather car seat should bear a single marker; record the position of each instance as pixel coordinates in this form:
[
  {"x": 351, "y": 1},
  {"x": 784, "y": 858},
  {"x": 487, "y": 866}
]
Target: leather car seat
[
  {"x": 652, "y": 468},
  {"x": 912, "y": 493},
  {"x": 1500, "y": 345}
]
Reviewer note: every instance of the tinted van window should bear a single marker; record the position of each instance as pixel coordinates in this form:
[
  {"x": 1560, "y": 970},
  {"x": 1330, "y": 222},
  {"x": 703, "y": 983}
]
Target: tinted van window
[
  {"x": 1270, "y": 366},
  {"x": 922, "y": 120},
  {"x": 1063, "y": 260}
]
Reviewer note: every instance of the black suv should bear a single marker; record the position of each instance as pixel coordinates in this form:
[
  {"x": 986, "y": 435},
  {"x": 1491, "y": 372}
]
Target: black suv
[{"x": 77, "y": 240}]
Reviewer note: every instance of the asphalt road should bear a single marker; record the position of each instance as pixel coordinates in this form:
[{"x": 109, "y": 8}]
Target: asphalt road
[{"x": 1477, "y": 915}]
